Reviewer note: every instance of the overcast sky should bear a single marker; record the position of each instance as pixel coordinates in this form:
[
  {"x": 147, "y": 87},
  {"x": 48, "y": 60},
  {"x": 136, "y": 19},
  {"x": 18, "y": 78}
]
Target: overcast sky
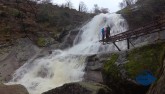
[{"x": 113, "y": 5}]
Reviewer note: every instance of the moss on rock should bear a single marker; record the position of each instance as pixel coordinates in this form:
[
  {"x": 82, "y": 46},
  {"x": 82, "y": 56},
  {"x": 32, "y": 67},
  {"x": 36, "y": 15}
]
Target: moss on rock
[
  {"x": 42, "y": 41},
  {"x": 145, "y": 58}
]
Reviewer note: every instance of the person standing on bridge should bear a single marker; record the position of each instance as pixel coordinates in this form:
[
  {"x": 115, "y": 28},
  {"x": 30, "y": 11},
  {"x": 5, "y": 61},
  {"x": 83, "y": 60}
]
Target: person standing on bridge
[
  {"x": 103, "y": 30},
  {"x": 108, "y": 33}
]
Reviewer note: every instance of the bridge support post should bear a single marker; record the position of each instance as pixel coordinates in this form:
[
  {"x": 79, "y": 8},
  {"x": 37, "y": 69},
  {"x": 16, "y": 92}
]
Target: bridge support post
[
  {"x": 131, "y": 44},
  {"x": 128, "y": 46},
  {"x": 116, "y": 46}
]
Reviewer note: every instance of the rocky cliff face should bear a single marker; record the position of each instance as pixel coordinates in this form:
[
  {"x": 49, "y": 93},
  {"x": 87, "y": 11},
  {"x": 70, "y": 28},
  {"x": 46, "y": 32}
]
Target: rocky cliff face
[{"x": 67, "y": 38}]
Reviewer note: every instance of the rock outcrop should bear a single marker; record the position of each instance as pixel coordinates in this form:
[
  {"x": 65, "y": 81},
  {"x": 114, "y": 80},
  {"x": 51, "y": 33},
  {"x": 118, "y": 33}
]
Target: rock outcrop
[{"x": 81, "y": 88}]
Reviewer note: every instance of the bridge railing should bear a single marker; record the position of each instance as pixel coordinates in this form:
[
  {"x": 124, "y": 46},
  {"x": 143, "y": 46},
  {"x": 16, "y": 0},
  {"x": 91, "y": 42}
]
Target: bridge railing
[{"x": 155, "y": 26}]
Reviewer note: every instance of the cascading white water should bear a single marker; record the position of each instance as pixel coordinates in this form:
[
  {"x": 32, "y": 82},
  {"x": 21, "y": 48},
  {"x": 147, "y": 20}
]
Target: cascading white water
[{"x": 68, "y": 65}]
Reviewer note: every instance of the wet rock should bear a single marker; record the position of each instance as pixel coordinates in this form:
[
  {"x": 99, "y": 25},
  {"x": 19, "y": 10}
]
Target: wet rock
[
  {"x": 93, "y": 69},
  {"x": 81, "y": 88},
  {"x": 93, "y": 63},
  {"x": 69, "y": 39},
  {"x": 93, "y": 76},
  {"x": 92, "y": 58},
  {"x": 96, "y": 66},
  {"x": 62, "y": 35}
]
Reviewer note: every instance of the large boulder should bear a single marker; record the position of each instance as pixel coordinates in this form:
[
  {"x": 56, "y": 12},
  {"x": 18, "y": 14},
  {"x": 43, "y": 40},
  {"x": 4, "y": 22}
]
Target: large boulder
[
  {"x": 12, "y": 89},
  {"x": 93, "y": 69},
  {"x": 81, "y": 88},
  {"x": 13, "y": 57}
]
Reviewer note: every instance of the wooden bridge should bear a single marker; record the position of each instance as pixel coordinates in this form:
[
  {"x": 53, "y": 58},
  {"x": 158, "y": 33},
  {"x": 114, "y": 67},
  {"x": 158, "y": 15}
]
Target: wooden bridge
[{"x": 153, "y": 27}]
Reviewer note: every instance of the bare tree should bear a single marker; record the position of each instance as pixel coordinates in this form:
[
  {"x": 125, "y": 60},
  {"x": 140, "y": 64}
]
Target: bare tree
[
  {"x": 104, "y": 10},
  {"x": 82, "y": 7},
  {"x": 122, "y": 5},
  {"x": 126, "y": 3},
  {"x": 96, "y": 9},
  {"x": 68, "y": 4},
  {"x": 62, "y": 5}
]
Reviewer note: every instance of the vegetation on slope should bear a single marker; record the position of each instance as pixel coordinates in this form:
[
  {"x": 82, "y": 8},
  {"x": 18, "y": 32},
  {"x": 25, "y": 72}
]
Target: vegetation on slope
[{"x": 149, "y": 58}]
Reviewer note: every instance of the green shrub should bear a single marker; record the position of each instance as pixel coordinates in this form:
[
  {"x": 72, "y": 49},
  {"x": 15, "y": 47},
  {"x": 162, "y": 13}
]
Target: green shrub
[
  {"x": 111, "y": 69},
  {"x": 15, "y": 13}
]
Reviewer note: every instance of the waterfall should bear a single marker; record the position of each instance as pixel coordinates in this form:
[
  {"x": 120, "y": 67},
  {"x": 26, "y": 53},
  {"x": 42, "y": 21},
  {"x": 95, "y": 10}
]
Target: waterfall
[{"x": 64, "y": 66}]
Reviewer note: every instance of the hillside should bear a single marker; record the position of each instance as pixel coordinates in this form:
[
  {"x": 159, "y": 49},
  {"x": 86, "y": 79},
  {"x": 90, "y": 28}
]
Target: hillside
[{"x": 24, "y": 18}]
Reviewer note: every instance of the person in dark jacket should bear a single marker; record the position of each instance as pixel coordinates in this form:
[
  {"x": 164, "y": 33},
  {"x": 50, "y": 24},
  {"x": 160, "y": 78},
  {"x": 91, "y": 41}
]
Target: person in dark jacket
[{"x": 108, "y": 33}]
